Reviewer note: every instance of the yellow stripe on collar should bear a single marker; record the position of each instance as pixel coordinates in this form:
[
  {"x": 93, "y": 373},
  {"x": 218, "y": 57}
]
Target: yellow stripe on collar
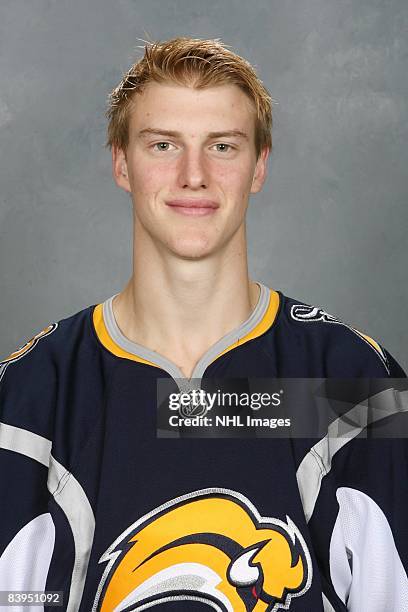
[
  {"x": 106, "y": 340},
  {"x": 108, "y": 343},
  {"x": 266, "y": 322}
]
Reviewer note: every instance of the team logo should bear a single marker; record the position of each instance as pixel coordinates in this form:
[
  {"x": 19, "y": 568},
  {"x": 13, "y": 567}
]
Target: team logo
[
  {"x": 26, "y": 348},
  {"x": 210, "y": 546},
  {"x": 304, "y": 313}
]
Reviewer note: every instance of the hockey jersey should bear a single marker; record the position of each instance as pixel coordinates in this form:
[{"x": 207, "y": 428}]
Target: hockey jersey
[{"x": 96, "y": 506}]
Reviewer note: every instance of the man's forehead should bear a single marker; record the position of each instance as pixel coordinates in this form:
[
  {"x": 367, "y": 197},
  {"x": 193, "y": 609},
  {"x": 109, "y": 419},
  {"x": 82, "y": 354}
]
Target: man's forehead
[
  {"x": 173, "y": 110},
  {"x": 222, "y": 100}
]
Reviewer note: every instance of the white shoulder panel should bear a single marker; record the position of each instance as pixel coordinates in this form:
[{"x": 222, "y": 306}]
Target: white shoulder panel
[{"x": 366, "y": 570}]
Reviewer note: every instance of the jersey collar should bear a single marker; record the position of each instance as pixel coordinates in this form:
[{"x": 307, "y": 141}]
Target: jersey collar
[{"x": 259, "y": 321}]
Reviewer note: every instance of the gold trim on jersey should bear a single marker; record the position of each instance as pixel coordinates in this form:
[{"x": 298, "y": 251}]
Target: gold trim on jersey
[
  {"x": 28, "y": 346},
  {"x": 260, "y": 328},
  {"x": 108, "y": 343},
  {"x": 266, "y": 322},
  {"x": 371, "y": 341}
]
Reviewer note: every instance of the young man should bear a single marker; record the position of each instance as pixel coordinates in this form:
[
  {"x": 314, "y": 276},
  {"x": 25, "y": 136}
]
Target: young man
[{"x": 101, "y": 507}]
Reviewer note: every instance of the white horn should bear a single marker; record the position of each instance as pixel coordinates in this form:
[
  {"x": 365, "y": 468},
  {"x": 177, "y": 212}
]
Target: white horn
[{"x": 240, "y": 572}]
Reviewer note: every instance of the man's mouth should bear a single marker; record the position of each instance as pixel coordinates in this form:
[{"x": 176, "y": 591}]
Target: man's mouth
[{"x": 193, "y": 207}]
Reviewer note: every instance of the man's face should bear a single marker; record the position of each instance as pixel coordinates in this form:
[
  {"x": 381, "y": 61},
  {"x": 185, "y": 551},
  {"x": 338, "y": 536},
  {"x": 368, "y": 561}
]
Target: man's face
[{"x": 190, "y": 166}]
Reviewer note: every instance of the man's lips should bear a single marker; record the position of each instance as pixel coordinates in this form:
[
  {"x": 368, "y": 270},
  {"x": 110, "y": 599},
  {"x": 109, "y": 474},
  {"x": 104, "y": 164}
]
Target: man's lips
[{"x": 193, "y": 207}]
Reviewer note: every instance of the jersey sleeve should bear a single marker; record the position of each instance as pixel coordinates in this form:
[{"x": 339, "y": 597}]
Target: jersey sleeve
[
  {"x": 27, "y": 533},
  {"x": 354, "y": 491}
]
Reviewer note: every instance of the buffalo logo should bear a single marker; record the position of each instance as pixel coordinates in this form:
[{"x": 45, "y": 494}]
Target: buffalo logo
[
  {"x": 304, "y": 313},
  {"x": 26, "y": 348},
  {"x": 210, "y": 546}
]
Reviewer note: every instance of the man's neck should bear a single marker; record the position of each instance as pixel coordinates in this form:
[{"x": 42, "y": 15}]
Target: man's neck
[{"x": 180, "y": 308}]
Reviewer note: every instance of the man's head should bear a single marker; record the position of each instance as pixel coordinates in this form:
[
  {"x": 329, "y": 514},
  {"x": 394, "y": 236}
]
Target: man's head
[{"x": 190, "y": 121}]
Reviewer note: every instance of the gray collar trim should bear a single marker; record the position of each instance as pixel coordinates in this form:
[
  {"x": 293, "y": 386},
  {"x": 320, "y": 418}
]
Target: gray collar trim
[{"x": 231, "y": 338}]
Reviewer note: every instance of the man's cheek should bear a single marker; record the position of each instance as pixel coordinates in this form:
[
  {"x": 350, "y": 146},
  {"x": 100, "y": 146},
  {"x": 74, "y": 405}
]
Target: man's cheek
[{"x": 152, "y": 181}]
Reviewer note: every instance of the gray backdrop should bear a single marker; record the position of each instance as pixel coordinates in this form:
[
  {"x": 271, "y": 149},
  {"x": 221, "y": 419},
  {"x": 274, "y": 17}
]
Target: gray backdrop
[{"x": 329, "y": 227}]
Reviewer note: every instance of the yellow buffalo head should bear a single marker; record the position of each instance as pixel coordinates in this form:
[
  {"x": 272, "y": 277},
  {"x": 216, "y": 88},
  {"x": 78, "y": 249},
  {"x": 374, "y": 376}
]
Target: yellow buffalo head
[{"x": 211, "y": 546}]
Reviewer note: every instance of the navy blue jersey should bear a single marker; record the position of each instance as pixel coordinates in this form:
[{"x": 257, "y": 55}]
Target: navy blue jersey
[{"x": 95, "y": 505}]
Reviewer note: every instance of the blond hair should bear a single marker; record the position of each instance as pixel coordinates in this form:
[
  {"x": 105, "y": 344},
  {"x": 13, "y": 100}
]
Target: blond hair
[{"x": 189, "y": 62}]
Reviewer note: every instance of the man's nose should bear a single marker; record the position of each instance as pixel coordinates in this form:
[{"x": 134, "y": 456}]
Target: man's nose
[{"x": 193, "y": 170}]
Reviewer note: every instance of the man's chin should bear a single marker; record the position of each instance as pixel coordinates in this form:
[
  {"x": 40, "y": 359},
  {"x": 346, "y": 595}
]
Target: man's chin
[
  {"x": 193, "y": 255},
  {"x": 192, "y": 250}
]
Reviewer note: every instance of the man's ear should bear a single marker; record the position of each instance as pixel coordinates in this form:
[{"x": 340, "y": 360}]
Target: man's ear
[
  {"x": 260, "y": 170},
  {"x": 120, "y": 169}
]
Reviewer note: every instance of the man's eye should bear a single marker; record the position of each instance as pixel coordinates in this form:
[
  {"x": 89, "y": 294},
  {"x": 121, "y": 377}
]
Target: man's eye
[
  {"x": 164, "y": 146},
  {"x": 225, "y": 146},
  {"x": 161, "y": 148}
]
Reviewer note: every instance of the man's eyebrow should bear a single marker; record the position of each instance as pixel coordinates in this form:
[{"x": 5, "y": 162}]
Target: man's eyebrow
[{"x": 173, "y": 134}]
